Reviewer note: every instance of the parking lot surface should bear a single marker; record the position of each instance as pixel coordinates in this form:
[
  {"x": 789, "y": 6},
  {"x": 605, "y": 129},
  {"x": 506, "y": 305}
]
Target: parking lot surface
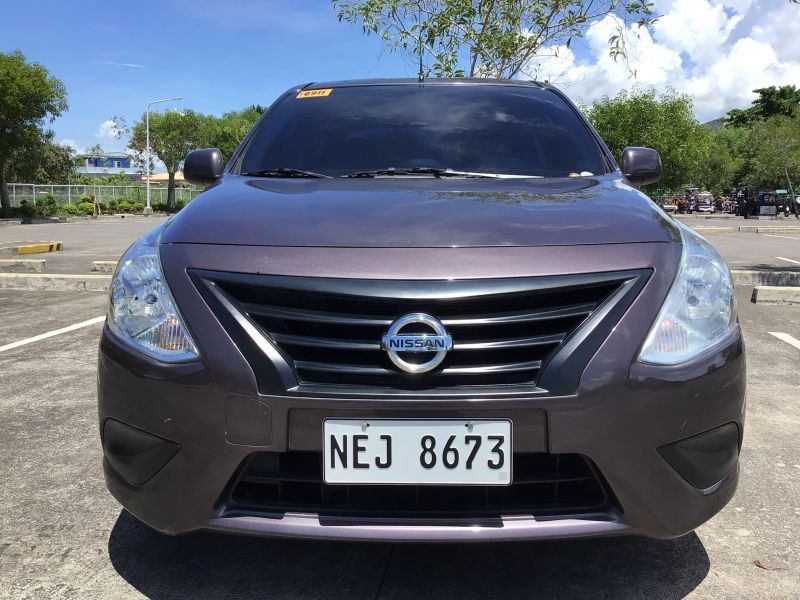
[
  {"x": 767, "y": 251},
  {"x": 84, "y": 241},
  {"x": 64, "y": 536}
]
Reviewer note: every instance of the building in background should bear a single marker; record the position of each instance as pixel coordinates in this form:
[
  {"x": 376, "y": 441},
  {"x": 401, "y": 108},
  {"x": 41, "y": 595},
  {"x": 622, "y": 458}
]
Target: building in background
[
  {"x": 107, "y": 163},
  {"x": 164, "y": 177}
]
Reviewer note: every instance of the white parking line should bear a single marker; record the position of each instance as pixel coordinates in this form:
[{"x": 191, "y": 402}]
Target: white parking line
[
  {"x": 786, "y": 237},
  {"x": 49, "y": 334},
  {"x": 791, "y": 260},
  {"x": 785, "y": 337}
]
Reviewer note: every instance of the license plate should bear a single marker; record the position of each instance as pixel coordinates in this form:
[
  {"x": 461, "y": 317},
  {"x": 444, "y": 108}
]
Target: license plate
[{"x": 417, "y": 451}]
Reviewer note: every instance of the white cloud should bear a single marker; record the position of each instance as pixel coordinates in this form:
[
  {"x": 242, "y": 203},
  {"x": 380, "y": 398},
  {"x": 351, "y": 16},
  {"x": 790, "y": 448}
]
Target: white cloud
[
  {"x": 112, "y": 63},
  {"x": 107, "y": 130},
  {"x": 718, "y": 51},
  {"x": 781, "y": 26},
  {"x": 72, "y": 144},
  {"x": 697, "y": 27}
]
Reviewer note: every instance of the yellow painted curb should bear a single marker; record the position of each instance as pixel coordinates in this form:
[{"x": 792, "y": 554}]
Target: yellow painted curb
[{"x": 39, "y": 248}]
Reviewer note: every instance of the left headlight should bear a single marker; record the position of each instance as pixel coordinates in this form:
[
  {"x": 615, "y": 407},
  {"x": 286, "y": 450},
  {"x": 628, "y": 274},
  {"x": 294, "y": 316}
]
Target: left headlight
[
  {"x": 700, "y": 309},
  {"x": 142, "y": 311}
]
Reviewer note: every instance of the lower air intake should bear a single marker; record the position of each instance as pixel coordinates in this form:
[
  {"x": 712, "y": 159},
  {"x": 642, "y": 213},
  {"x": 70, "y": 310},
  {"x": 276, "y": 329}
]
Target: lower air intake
[{"x": 543, "y": 484}]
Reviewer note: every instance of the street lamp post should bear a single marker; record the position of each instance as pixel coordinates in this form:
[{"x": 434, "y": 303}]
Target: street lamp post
[{"x": 148, "y": 209}]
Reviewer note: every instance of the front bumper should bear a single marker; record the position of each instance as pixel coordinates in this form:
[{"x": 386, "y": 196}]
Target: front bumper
[
  {"x": 620, "y": 429},
  {"x": 623, "y": 417}
]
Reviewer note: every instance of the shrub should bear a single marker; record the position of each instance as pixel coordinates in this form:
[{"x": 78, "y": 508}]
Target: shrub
[
  {"x": 137, "y": 207},
  {"x": 68, "y": 209},
  {"x": 45, "y": 206},
  {"x": 179, "y": 205},
  {"x": 86, "y": 198},
  {"x": 124, "y": 206},
  {"x": 25, "y": 209},
  {"x": 86, "y": 208},
  {"x": 159, "y": 206}
]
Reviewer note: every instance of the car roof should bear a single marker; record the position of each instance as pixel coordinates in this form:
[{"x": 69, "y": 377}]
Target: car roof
[{"x": 427, "y": 81}]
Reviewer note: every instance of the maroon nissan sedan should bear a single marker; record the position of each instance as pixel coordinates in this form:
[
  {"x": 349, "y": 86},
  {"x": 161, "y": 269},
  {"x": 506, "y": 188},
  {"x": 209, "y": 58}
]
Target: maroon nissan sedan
[{"x": 422, "y": 311}]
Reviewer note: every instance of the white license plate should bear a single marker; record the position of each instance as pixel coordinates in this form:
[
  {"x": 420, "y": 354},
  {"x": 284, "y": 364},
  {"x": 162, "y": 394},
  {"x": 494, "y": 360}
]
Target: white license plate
[{"x": 417, "y": 451}]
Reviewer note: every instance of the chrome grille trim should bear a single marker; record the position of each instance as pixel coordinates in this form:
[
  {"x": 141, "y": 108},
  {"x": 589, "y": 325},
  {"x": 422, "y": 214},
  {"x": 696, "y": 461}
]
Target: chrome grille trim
[{"x": 322, "y": 335}]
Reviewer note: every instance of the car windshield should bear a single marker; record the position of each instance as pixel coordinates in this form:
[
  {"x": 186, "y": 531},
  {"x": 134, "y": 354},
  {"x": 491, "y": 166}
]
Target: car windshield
[{"x": 471, "y": 128}]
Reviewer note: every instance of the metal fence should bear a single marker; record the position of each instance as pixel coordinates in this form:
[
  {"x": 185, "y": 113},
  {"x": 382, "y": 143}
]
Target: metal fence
[{"x": 71, "y": 194}]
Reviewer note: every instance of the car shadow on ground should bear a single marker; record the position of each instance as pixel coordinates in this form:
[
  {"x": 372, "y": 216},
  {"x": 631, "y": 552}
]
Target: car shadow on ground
[{"x": 211, "y": 565}]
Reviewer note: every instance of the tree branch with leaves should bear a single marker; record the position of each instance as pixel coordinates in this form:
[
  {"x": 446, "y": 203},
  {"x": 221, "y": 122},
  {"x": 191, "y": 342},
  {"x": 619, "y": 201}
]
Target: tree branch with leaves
[{"x": 487, "y": 38}]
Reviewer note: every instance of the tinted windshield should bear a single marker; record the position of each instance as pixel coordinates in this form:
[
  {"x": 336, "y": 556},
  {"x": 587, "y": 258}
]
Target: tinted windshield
[{"x": 477, "y": 128}]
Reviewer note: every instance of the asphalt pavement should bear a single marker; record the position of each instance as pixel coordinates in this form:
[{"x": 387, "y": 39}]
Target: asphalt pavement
[
  {"x": 64, "y": 536},
  {"x": 84, "y": 241},
  {"x": 767, "y": 251}
]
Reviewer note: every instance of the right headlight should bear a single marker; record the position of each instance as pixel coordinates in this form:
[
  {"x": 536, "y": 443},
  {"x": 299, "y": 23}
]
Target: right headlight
[
  {"x": 700, "y": 309},
  {"x": 141, "y": 309}
]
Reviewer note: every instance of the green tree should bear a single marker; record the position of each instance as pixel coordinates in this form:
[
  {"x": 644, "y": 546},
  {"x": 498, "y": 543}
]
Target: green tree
[
  {"x": 665, "y": 123},
  {"x": 773, "y": 152},
  {"x": 30, "y": 98},
  {"x": 726, "y": 164},
  {"x": 486, "y": 38},
  {"x": 227, "y": 131},
  {"x": 173, "y": 135},
  {"x": 44, "y": 162},
  {"x": 771, "y": 101}
]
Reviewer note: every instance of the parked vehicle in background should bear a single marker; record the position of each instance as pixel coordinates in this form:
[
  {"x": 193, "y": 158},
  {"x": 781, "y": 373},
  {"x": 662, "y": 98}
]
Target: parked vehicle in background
[
  {"x": 688, "y": 201},
  {"x": 729, "y": 205},
  {"x": 670, "y": 204},
  {"x": 705, "y": 202}
]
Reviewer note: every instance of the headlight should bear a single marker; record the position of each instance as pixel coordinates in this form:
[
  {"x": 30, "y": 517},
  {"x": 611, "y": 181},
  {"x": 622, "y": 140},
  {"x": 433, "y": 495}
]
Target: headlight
[
  {"x": 141, "y": 309},
  {"x": 700, "y": 309}
]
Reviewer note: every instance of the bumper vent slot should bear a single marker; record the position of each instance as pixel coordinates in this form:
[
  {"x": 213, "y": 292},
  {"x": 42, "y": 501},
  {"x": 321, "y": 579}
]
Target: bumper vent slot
[{"x": 543, "y": 484}]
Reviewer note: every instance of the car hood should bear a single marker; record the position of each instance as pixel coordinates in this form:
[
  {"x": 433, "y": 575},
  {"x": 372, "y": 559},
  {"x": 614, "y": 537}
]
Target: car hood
[{"x": 402, "y": 212}]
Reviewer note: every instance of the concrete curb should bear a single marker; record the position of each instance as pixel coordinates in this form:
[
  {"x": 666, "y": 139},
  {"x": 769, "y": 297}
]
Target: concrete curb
[
  {"x": 36, "y": 248},
  {"x": 695, "y": 216},
  {"x": 769, "y": 229},
  {"x": 15, "y": 265},
  {"x": 711, "y": 229},
  {"x": 104, "y": 266},
  {"x": 766, "y": 294},
  {"x": 39, "y": 248},
  {"x": 55, "y": 283},
  {"x": 770, "y": 278}
]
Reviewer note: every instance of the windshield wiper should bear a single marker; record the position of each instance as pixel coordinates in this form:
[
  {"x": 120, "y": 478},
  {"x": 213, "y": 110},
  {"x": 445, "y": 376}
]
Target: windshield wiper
[
  {"x": 284, "y": 172},
  {"x": 436, "y": 172}
]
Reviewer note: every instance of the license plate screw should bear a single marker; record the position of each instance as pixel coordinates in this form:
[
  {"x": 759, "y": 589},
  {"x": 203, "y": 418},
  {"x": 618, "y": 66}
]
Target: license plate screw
[
  {"x": 364, "y": 425},
  {"x": 469, "y": 425}
]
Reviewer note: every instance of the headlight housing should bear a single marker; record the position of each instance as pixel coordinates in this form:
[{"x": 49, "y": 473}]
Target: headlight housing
[
  {"x": 700, "y": 309},
  {"x": 141, "y": 309}
]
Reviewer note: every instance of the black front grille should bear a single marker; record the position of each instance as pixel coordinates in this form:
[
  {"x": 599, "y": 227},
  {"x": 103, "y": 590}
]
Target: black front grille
[
  {"x": 504, "y": 331},
  {"x": 543, "y": 484}
]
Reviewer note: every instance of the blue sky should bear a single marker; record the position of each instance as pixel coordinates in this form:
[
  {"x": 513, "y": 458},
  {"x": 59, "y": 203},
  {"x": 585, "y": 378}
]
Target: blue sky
[
  {"x": 219, "y": 56},
  {"x": 222, "y": 56}
]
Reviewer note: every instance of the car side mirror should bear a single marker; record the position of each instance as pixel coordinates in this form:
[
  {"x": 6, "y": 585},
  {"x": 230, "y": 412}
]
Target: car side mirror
[
  {"x": 641, "y": 166},
  {"x": 203, "y": 167}
]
